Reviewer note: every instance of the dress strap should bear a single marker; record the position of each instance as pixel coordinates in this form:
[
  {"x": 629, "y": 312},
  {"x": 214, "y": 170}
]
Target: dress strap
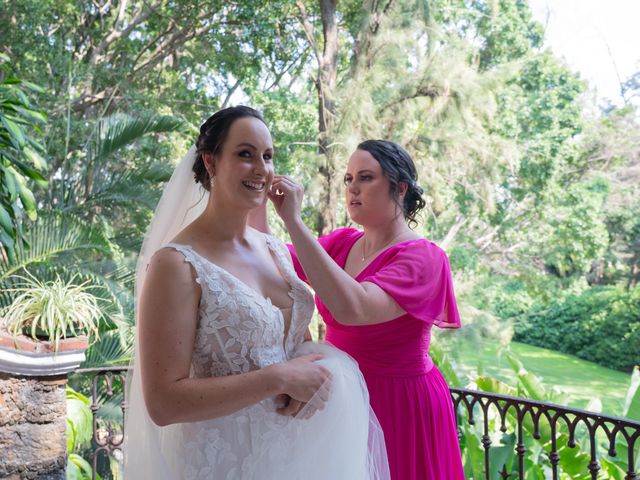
[
  {"x": 191, "y": 257},
  {"x": 281, "y": 255}
]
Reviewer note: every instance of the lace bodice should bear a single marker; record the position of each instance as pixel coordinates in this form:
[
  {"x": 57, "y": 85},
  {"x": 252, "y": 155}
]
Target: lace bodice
[{"x": 238, "y": 329}]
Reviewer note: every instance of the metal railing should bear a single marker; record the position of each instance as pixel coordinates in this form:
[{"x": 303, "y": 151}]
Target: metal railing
[
  {"x": 555, "y": 422},
  {"x": 560, "y": 430}
]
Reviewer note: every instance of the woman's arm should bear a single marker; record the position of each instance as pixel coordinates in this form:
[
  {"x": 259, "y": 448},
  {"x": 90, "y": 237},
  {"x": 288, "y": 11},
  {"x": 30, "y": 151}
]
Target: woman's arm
[
  {"x": 167, "y": 328},
  {"x": 350, "y": 302}
]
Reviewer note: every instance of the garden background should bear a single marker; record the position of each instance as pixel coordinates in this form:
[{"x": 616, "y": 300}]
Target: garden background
[{"x": 532, "y": 183}]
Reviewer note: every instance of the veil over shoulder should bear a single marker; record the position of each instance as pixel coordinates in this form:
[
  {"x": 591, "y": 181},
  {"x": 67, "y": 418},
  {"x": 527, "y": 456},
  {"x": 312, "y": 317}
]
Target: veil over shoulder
[
  {"x": 182, "y": 201},
  {"x": 239, "y": 331}
]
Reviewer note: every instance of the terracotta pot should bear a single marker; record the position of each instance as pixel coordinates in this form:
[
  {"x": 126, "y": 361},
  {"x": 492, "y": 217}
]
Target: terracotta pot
[{"x": 22, "y": 355}]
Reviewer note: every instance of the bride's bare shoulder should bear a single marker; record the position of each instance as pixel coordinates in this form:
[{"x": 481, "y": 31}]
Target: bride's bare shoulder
[{"x": 168, "y": 261}]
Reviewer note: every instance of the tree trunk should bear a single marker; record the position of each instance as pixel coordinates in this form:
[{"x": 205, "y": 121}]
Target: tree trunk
[{"x": 325, "y": 86}]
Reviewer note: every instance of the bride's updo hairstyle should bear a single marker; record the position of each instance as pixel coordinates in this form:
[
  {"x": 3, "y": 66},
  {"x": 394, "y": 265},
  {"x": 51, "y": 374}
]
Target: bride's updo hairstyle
[
  {"x": 213, "y": 134},
  {"x": 397, "y": 165}
]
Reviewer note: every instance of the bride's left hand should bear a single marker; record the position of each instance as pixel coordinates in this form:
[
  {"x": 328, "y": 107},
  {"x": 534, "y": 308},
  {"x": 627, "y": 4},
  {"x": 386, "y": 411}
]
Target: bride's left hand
[
  {"x": 286, "y": 195},
  {"x": 304, "y": 410},
  {"x": 291, "y": 407}
]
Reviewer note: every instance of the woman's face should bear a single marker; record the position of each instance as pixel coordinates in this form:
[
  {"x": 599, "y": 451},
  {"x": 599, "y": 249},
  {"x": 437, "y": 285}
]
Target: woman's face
[
  {"x": 367, "y": 191},
  {"x": 243, "y": 169}
]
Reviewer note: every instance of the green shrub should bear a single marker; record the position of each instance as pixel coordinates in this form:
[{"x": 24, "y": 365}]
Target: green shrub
[{"x": 602, "y": 324}]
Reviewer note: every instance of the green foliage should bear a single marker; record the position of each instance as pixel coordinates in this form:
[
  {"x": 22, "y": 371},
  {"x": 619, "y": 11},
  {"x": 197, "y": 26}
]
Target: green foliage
[
  {"x": 79, "y": 433},
  {"x": 601, "y": 324},
  {"x": 575, "y": 234},
  {"x": 535, "y": 201},
  {"x": 56, "y": 237},
  {"x": 79, "y": 420},
  {"x": 573, "y": 463},
  {"x": 540, "y": 108},
  {"x": 78, "y": 468},
  {"x": 292, "y": 122},
  {"x": 21, "y": 153},
  {"x": 631, "y": 407},
  {"x": 52, "y": 310},
  {"x": 508, "y": 31}
]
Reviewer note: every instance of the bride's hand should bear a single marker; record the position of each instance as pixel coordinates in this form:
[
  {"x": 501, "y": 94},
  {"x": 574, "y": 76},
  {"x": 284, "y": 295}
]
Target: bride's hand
[
  {"x": 289, "y": 407},
  {"x": 286, "y": 195},
  {"x": 305, "y": 381},
  {"x": 302, "y": 410}
]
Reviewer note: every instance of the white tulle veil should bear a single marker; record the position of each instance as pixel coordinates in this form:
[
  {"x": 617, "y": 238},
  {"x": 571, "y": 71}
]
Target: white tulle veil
[{"x": 147, "y": 447}]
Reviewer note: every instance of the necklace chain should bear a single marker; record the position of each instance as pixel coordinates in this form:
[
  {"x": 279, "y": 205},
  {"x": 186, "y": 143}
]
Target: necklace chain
[{"x": 364, "y": 257}]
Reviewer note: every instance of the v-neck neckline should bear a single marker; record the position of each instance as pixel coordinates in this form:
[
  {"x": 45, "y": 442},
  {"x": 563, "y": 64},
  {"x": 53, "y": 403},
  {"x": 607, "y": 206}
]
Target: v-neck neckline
[
  {"x": 242, "y": 282},
  {"x": 377, "y": 257}
]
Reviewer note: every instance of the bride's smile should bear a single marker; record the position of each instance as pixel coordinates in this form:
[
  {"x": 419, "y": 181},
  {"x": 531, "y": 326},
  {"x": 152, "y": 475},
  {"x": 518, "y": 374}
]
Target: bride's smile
[
  {"x": 255, "y": 186},
  {"x": 242, "y": 170}
]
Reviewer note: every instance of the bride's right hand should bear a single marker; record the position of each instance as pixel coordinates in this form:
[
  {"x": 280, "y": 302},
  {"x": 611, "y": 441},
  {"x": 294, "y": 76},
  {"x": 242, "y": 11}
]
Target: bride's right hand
[{"x": 302, "y": 378}]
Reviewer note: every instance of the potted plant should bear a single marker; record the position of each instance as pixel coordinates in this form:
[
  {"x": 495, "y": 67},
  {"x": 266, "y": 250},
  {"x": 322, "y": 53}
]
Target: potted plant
[
  {"x": 43, "y": 339},
  {"x": 46, "y": 325}
]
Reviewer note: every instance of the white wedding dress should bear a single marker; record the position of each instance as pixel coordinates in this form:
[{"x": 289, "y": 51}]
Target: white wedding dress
[{"x": 238, "y": 331}]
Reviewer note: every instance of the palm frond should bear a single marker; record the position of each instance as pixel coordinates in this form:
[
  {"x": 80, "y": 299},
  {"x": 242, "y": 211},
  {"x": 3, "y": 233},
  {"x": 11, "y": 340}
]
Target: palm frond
[
  {"x": 109, "y": 350},
  {"x": 118, "y": 131},
  {"x": 129, "y": 188},
  {"x": 55, "y": 235}
]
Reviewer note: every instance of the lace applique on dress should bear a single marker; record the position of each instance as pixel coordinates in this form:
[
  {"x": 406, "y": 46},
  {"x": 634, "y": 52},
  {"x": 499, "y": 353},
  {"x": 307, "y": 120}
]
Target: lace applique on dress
[{"x": 238, "y": 331}]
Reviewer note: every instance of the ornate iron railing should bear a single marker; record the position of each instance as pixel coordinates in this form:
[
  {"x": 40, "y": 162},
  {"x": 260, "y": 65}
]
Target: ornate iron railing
[
  {"x": 487, "y": 412},
  {"x": 525, "y": 415},
  {"x": 108, "y": 434}
]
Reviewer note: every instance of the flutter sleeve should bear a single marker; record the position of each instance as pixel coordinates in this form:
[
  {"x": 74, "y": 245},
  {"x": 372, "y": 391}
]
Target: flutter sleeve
[
  {"x": 331, "y": 243},
  {"x": 418, "y": 277}
]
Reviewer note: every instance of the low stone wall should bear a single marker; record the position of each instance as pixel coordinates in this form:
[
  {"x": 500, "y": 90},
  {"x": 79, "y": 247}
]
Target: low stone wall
[{"x": 33, "y": 427}]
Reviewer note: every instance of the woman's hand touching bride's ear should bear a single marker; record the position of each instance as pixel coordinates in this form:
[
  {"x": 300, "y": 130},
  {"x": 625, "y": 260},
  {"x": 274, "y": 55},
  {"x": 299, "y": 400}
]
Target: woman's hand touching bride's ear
[{"x": 286, "y": 195}]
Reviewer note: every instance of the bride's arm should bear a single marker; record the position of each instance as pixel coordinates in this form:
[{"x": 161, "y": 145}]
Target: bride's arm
[{"x": 167, "y": 328}]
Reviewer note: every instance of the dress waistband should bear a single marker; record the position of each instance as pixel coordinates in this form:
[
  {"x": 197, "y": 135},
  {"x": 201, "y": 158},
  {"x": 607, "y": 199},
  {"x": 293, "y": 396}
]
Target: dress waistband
[{"x": 381, "y": 355}]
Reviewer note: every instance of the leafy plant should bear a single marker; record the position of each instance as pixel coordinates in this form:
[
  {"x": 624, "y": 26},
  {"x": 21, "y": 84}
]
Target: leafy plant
[
  {"x": 79, "y": 430},
  {"x": 20, "y": 153},
  {"x": 601, "y": 324},
  {"x": 53, "y": 310},
  {"x": 537, "y": 440},
  {"x": 79, "y": 420}
]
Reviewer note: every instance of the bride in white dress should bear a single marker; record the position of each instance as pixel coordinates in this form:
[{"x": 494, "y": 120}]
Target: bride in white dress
[{"x": 226, "y": 383}]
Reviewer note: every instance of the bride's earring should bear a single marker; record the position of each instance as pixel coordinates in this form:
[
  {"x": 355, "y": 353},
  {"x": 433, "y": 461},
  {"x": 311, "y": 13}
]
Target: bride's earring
[{"x": 212, "y": 174}]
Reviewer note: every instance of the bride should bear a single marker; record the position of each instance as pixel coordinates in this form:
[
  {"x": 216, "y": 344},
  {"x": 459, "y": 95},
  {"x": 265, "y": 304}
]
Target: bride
[{"x": 226, "y": 383}]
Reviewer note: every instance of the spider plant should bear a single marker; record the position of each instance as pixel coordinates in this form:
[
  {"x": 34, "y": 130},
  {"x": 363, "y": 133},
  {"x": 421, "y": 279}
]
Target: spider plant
[{"x": 52, "y": 310}]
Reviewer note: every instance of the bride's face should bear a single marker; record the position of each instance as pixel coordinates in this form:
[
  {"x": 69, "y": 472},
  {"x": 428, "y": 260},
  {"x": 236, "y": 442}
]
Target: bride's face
[{"x": 243, "y": 170}]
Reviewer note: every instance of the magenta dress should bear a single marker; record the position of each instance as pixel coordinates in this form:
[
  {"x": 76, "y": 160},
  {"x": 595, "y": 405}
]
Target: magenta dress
[{"x": 408, "y": 393}]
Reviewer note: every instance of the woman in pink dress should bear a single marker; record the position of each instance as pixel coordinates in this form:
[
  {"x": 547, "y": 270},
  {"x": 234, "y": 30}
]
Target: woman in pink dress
[{"x": 380, "y": 291}]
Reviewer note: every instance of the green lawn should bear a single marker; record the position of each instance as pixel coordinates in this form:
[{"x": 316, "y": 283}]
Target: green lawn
[{"x": 580, "y": 379}]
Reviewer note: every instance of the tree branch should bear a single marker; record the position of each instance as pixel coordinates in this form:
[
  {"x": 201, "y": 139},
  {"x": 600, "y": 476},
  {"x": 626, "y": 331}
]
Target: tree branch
[
  {"x": 453, "y": 231},
  {"x": 368, "y": 30},
  {"x": 308, "y": 30},
  {"x": 231, "y": 92},
  {"x": 117, "y": 34}
]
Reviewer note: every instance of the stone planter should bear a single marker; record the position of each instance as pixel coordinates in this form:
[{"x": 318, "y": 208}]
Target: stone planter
[
  {"x": 23, "y": 355},
  {"x": 33, "y": 408}
]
